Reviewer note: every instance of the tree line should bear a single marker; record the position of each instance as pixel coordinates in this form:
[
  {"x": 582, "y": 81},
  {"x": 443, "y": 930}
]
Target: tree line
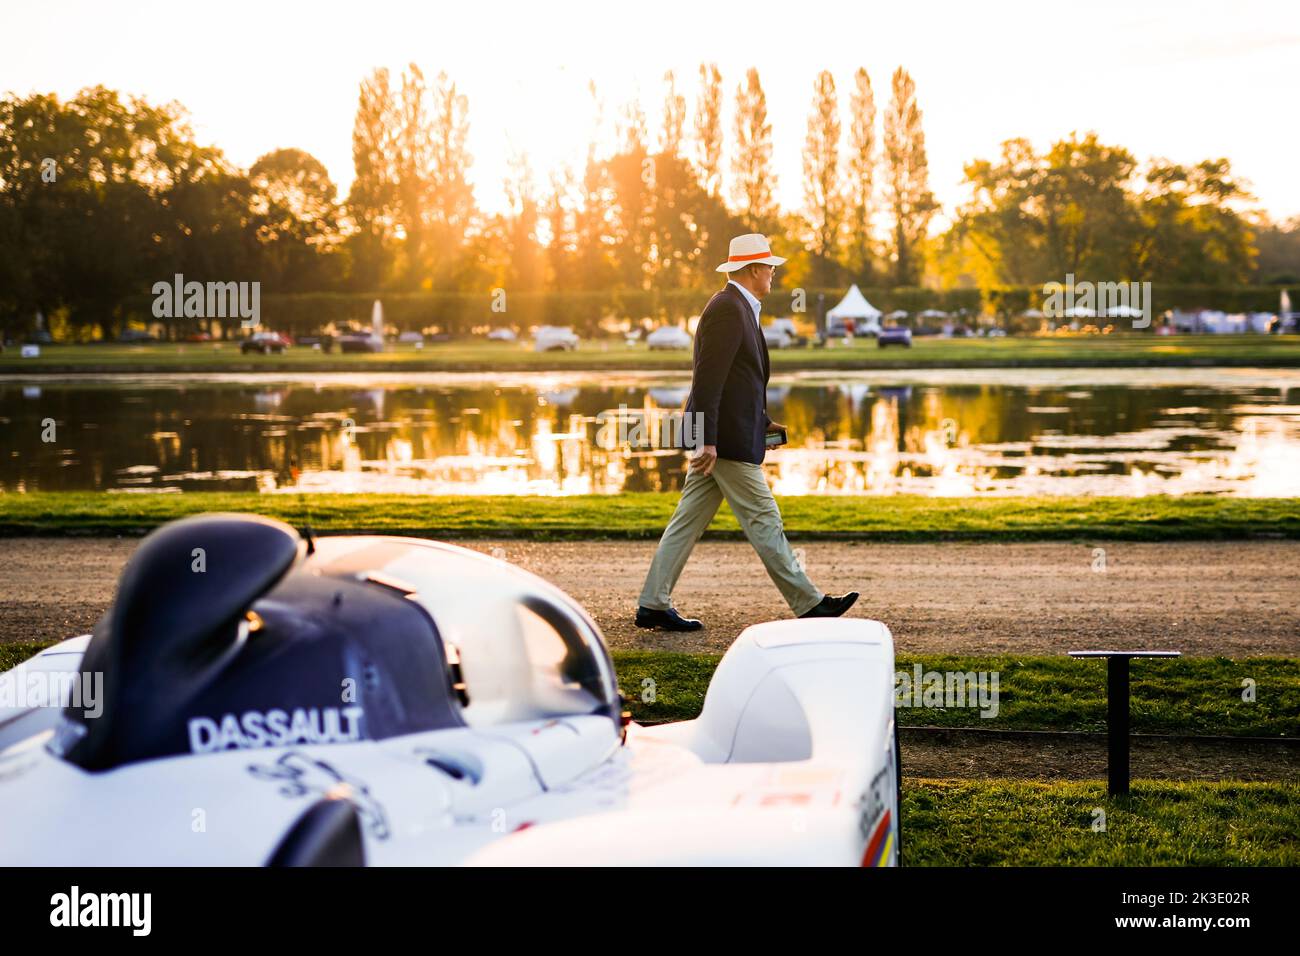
[{"x": 105, "y": 194}]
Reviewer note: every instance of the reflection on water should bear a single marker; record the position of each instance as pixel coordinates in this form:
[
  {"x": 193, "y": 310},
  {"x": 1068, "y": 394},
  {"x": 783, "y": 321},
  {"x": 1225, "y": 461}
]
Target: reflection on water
[{"x": 976, "y": 432}]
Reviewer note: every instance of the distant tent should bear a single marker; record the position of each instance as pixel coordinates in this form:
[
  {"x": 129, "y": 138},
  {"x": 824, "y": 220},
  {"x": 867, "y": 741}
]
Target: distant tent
[{"x": 854, "y": 305}]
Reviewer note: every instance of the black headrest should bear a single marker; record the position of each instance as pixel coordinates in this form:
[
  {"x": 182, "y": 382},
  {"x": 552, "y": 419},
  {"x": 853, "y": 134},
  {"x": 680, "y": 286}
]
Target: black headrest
[{"x": 175, "y": 618}]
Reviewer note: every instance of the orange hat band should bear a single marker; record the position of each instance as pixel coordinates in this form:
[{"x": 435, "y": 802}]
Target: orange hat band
[{"x": 756, "y": 255}]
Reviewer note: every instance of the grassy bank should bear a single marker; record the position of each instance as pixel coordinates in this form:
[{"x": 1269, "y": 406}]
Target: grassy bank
[
  {"x": 1005, "y": 823},
  {"x": 1196, "y": 696},
  {"x": 642, "y": 515},
  {"x": 482, "y": 356}
]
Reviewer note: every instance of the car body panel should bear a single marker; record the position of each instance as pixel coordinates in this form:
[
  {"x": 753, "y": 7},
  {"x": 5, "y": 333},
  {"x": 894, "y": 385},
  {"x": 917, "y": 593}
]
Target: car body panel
[{"x": 790, "y": 762}]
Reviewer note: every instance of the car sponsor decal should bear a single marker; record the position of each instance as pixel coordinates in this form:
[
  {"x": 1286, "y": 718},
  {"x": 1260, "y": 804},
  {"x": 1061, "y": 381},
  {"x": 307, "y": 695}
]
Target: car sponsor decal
[
  {"x": 806, "y": 787},
  {"x": 275, "y": 728},
  {"x": 303, "y": 775},
  {"x": 881, "y": 842},
  {"x": 875, "y": 820}
]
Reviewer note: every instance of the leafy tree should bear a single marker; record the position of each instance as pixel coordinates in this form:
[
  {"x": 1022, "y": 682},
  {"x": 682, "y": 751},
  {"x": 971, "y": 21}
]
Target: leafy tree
[
  {"x": 754, "y": 180},
  {"x": 296, "y": 220},
  {"x": 630, "y": 177},
  {"x": 861, "y": 162},
  {"x": 907, "y": 178},
  {"x": 1279, "y": 252},
  {"x": 130, "y": 199},
  {"x": 673, "y": 128},
  {"x": 412, "y": 172},
  {"x": 524, "y": 266},
  {"x": 561, "y": 244},
  {"x": 593, "y": 225},
  {"x": 1190, "y": 231},
  {"x": 1089, "y": 217},
  {"x": 708, "y": 129},
  {"x": 823, "y": 190},
  {"x": 36, "y": 137},
  {"x": 452, "y": 208},
  {"x": 372, "y": 200}
]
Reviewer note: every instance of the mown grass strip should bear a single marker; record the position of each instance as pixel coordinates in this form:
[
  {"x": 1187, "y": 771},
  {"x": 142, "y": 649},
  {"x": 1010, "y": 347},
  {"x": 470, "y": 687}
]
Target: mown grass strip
[
  {"x": 1014, "y": 823},
  {"x": 1117, "y": 351},
  {"x": 642, "y": 515},
  {"x": 1193, "y": 696}
]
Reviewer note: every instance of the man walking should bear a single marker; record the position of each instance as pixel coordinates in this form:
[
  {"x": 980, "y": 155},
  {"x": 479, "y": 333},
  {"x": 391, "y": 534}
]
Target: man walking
[{"x": 729, "y": 396}]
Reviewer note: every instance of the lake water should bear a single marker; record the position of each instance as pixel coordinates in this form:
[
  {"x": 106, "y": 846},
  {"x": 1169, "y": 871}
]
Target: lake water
[{"x": 942, "y": 432}]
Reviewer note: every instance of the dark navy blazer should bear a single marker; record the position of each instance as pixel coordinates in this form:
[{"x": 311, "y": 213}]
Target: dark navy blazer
[{"x": 729, "y": 386}]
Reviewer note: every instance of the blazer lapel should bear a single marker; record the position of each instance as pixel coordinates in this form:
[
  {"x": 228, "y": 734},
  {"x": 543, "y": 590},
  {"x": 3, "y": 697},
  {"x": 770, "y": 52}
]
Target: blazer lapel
[
  {"x": 760, "y": 345},
  {"x": 756, "y": 333}
]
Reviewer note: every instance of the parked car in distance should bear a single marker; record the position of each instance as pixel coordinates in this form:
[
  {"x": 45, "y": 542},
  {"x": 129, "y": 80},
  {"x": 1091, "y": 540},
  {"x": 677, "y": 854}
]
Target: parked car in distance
[
  {"x": 135, "y": 335},
  {"x": 324, "y": 342},
  {"x": 502, "y": 335},
  {"x": 554, "y": 338},
  {"x": 360, "y": 342},
  {"x": 264, "y": 343},
  {"x": 411, "y": 338},
  {"x": 669, "y": 337},
  {"x": 894, "y": 335},
  {"x": 781, "y": 334}
]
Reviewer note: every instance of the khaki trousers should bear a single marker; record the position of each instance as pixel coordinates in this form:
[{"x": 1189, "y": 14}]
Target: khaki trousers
[{"x": 746, "y": 491}]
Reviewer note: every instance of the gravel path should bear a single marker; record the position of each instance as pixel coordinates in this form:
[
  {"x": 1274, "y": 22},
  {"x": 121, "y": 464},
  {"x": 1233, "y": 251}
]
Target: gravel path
[{"x": 1236, "y": 599}]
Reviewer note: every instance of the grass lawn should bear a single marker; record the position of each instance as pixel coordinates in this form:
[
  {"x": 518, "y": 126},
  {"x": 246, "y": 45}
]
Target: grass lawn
[
  {"x": 1133, "y": 350},
  {"x": 642, "y": 515},
  {"x": 1015, "y": 823},
  {"x": 1200, "y": 696}
]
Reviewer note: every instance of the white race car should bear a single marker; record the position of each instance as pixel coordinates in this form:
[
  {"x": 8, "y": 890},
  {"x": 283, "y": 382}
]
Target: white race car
[{"x": 256, "y": 698}]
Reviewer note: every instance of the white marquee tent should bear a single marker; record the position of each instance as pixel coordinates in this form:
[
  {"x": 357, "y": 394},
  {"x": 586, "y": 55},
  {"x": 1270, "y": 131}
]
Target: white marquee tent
[{"x": 854, "y": 305}]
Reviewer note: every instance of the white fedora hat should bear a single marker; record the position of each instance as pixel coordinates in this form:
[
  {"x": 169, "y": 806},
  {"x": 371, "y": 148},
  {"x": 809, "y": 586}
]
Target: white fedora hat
[{"x": 746, "y": 250}]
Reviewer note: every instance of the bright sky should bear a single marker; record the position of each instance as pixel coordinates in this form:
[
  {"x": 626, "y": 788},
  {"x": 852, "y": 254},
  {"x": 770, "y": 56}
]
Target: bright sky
[{"x": 1172, "y": 78}]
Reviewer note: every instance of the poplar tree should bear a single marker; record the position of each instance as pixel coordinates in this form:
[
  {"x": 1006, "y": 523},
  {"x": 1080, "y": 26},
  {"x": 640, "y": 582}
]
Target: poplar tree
[
  {"x": 754, "y": 180},
  {"x": 861, "y": 177},
  {"x": 907, "y": 179},
  {"x": 708, "y": 129},
  {"x": 372, "y": 195},
  {"x": 822, "y": 189},
  {"x": 674, "y": 120}
]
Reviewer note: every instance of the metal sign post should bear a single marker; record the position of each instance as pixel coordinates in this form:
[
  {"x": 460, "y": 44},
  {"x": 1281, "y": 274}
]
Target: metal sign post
[{"x": 1117, "y": 714}]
